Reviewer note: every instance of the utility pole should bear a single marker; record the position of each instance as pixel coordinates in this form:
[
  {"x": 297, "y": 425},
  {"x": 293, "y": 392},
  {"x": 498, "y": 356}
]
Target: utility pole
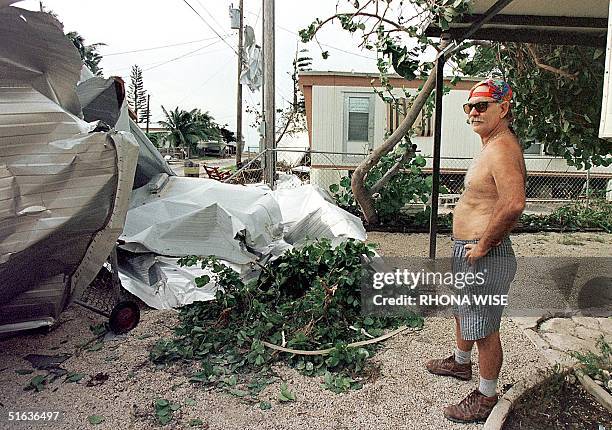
[
  {"x": 239, "y": 142},
  {"x": 269, "y": 105},
  {"x": 148, "y": 110},
  {"x": 435, "y": 171}
]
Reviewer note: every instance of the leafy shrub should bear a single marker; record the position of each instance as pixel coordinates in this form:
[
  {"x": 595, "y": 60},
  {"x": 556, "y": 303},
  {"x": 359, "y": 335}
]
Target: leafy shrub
[
  {"x": 574, "y": 216},
  {"x": 309, "y": 299}
]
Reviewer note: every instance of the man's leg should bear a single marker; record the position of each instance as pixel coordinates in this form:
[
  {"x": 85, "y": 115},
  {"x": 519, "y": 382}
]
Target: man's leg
[
  {"x": 490, "y": 358},
  {"x": 458, "y": 365},
  {"x": 477, "y": 406},
  {"x": 464, "y": 347}
]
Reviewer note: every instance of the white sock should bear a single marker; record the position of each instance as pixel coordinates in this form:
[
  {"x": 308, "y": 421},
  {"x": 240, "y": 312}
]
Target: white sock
[
  {"x": 488, "y": 387},
  {"x": 463, "y": 357}
]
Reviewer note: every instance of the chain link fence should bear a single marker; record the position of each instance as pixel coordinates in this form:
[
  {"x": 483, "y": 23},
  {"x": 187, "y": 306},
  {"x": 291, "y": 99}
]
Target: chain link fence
[{"x": 550, "y": 182}]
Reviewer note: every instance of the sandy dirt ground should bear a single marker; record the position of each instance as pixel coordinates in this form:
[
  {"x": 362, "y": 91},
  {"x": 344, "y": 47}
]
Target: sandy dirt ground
[{"x": 403, "y": 396}]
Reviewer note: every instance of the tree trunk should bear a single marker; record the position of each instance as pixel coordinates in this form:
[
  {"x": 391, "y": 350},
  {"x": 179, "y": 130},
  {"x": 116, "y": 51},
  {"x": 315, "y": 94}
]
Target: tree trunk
[{"x": 362, "y": 195}]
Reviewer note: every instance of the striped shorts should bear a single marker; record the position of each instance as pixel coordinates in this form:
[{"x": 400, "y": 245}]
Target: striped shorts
[{"x": 497, "y": 269}]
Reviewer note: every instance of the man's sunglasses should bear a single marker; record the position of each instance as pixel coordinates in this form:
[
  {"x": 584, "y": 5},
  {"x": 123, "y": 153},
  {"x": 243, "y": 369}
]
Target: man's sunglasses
[{"x": 480, "y": 107}]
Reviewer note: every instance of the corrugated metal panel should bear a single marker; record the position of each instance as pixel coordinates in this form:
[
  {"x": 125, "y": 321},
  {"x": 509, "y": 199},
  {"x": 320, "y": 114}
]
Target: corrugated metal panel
[
  {"x": 38, "y": 303},
  {"x": 58, "y": 189},
  {"x": 64, "y": 189},
  {"x": 326, "y": 120},
  {"x": 39, "y": 55}
]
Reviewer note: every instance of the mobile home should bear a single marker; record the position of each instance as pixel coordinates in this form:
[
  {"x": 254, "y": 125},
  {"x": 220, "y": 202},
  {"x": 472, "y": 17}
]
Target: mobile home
[{"x": 347, "y": 119}]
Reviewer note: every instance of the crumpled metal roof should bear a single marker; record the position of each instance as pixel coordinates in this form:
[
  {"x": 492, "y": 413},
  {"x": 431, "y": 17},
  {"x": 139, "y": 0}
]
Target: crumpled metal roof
[
  {"x": 190, "y": 216},
  {"x": 64, "y": 188}
]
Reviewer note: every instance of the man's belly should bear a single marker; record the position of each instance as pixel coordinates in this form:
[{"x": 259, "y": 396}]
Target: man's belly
[{"x": 471, "y": 221}]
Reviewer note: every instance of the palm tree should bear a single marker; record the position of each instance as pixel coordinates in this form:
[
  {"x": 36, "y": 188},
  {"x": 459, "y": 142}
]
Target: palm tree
[
  {"x": 211, "y": 129},
  {"x": 184, "y": 128},
  {"x": 89, "y": 53}
]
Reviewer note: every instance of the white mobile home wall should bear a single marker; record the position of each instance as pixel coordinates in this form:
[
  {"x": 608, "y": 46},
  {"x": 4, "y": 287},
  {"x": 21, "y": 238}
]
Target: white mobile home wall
[{"x": 459, "y": 143}]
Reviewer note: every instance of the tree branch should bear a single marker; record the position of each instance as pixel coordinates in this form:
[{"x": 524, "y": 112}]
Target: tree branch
[
  {"x": 572, "y": 76},
  {"x": 289, "y": 121},
  {"x": 393, "y": 170},
  {"x": 361, "y": 194},
  {"x": 366, "y": 14},
  {"x": 362, "y": 8}
]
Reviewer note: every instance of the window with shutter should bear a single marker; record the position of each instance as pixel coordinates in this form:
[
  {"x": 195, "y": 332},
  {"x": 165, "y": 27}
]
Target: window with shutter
[{"x": 358, "y": 119}]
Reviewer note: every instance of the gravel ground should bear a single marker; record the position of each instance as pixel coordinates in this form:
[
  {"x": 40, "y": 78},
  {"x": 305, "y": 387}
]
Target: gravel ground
[{"x": 403, "y": 396}]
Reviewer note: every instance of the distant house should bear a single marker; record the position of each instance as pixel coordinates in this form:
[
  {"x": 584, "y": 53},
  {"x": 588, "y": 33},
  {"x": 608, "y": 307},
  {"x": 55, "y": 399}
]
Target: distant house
[{"x": 346, "y": 118}]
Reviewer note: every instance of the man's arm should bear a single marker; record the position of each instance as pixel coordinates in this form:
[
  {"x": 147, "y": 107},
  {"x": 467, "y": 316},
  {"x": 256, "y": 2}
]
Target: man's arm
[{"x": 506, "y": 166}]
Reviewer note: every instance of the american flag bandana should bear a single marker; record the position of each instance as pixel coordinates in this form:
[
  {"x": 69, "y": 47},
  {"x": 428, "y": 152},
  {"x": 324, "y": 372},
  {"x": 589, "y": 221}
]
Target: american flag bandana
[{"x": 496, "y": 89}]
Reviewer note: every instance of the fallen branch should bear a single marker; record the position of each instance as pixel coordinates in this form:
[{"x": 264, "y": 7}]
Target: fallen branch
[
  {"x": 328, "y": 350},
  {"x": 362, "y": 195},
  {"x": 393, "y": 170}
]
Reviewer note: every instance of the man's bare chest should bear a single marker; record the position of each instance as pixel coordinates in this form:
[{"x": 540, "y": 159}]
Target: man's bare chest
[{"x": 478, "y": 178}]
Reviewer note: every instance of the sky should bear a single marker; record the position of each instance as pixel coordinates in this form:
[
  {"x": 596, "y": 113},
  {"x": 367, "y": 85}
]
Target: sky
[{"x": 200, "y": 69}]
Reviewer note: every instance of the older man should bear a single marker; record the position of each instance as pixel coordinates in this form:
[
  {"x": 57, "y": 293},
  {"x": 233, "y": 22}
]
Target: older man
[{"x": 493, "y": 200}]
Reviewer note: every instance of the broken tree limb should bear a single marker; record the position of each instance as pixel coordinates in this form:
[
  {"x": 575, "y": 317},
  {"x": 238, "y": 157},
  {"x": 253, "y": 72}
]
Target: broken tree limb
[
  {"x": 328, "y": 350},
  {"x": 362, "y": 195},
  {"x": 393, "y": 170}
]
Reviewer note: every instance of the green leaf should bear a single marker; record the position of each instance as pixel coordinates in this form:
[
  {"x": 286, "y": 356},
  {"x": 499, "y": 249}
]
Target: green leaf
[
  {"x": 598, "y": 53},
  {"x": 37, "y": 383},
  {"x": 164, "y": 419},
  {"x": 196, "y": 422},
  {"x": 98, "y": 329},
  {"x": 161, "y": 403},
  {"x": 238, "y": 393},
  {"x": 75, "y": 376},
  {"x": 190, "y": 402},
  {"x": 95, "y": 419},
  {"x": 202, "y": 280},
  {"x": 265, "y": 405},
  {"x": 285, "y": 395},
  {"x": 444, "y": 24}
]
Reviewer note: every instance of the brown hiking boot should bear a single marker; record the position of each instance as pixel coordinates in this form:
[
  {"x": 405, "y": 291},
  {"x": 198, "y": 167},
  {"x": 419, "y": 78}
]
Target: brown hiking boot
[
  {"x": 449, "y": 367},
  {"x": 476, "y": 407}
]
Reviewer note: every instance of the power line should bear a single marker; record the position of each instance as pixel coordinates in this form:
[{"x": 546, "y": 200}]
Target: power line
[
  {"x": 192, "y": 92},
  {"x": 157, "y": 63},
  {"x": 209, "y": 26},
  {"x": 209, "y": 14},
  {"x": 322, "y": 44},
  {"x": 330, "y": 46},
  {"x": 181, "y": 56},
  {"x": 159, "y": 47},
  {"x": 257, "y": 19}
]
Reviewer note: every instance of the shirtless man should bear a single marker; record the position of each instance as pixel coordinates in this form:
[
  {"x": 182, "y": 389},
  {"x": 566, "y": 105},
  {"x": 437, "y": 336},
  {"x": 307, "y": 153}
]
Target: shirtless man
[{"x": 493, "y": 200}]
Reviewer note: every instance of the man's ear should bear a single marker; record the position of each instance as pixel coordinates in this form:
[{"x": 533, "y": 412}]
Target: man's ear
[{"x": 505, "y": 107}]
